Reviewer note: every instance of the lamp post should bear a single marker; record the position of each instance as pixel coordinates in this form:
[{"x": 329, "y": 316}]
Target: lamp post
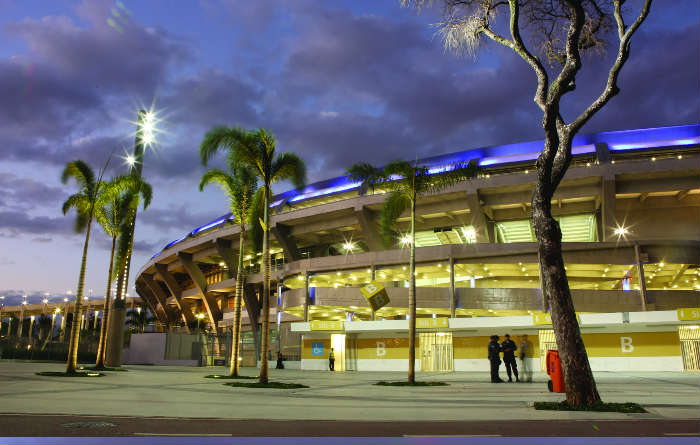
[
  {"x": 21, "y": 317},
  {"x": 53, "y": 321},
  {"x": 145, "y": 136}
]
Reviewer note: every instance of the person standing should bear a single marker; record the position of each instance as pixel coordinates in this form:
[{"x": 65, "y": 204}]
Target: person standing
[
  {"x": 524, "y": 356},
  {"x": 495, "y": 359},
  {"x": 331, "y": 360},
  {"x": 508, "y": 347}
]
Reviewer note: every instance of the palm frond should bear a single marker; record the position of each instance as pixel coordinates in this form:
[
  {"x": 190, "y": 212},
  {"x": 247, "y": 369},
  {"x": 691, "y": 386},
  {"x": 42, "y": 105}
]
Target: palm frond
[
  {"x": 77, "y": 201},
  {"x": 81, "y": 172},
  {"x": 289, "y": 166},
  {"x": 395, "y": 204},
  {"x": 257, "y": 208},
  {"x": 461, "y": 172},
  {"x": 367, "y": 174}
]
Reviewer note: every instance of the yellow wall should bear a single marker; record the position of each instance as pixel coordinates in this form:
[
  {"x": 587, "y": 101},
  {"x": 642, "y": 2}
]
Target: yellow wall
[
  {"x": 393, "y": 348},
  {"x": 476, "y": 347},
  {"x": 643, "y": 344},
  {"x": 306, "y": 348}
]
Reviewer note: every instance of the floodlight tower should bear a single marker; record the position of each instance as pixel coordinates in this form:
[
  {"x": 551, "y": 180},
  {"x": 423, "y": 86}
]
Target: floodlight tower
[{"x": 145, "y": 136}]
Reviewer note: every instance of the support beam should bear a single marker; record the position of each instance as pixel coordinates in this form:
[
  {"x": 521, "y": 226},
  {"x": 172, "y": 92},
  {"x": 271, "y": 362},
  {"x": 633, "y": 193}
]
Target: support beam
[
  {"x": 145, "y": 295},
  {"x": 478, "y": 217},
  {"x": 682, "y": 194},
  {"x": 366, "y": 219},
  {"x": 678, "y": 274},
  {"x": 160, "y": 296},
  {"x": 307, "y": 297},
  {"x": 453, "y": 294},
  {"x": 283, "y": 236},
  {"x": 176, "y": 291},
  {"x": 643, "y": 197},
  {"x": 602, "y": 153},
  {"x": 607, "y": 213},
  {"x": 640, "y": 275},
  {"x": 224, "y": 248},
  {"x": 200, "y": 283}
]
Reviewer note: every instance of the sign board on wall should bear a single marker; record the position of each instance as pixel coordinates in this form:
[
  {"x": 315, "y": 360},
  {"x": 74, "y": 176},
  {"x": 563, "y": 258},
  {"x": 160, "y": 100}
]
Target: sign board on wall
[
  {"x": 689, "y": 313},
  {"x": 539, "y": 318},
  {"x": 376, "y": 295},
  {"x": 326, "y": 325},
  {"x": 317, "y": 348},
  {"x": 431, "y": 323}
]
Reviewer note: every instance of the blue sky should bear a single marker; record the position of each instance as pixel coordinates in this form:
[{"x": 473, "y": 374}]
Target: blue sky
[{"x": 337, "y": 81}]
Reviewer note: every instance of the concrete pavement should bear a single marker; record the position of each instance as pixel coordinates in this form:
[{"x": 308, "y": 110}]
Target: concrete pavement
[{"x": 150, "y": 391}]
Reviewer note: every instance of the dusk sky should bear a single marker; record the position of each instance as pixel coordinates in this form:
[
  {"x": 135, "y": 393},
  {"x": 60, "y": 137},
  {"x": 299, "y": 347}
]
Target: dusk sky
[{"x": 337, "y": 82}]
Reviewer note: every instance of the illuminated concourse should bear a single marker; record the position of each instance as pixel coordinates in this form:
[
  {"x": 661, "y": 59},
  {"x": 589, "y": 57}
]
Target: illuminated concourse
[{"x": 629, "y": 213}]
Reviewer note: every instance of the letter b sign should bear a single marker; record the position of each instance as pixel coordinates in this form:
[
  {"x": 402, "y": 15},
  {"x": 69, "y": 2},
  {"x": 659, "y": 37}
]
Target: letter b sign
[{"x": 626, "y": 344}]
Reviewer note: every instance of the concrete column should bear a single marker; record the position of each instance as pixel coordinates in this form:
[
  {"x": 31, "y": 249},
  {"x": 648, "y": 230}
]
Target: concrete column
[
  {"x": 31, "y": 325},
  {"x": 372, "y": 277},
  {"x": 453, "y": 294},
  {"x": 607, "y": 208},
  {"x": 640, "y": 276},
  {"x": 94, "y": 321},
  {"x": 478, "y": 218},
  {"x": 64, "y": 315},
  {"x": 307, "y": 296},
  {"x": 21, "y": 323}
]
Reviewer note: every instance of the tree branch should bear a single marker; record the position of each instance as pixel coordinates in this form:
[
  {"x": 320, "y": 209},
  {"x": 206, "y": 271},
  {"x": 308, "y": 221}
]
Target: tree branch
[
  {"x": 611, "y": 88},
  {"x": 564, "y": 82}
]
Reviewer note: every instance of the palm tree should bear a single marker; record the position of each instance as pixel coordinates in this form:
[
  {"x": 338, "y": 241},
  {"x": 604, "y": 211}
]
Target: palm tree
[
  {"x": 86, "y": 203},
  {"x": 240, "y": 187},
  {"x": 406, "y": 183},
  {"x": 112, "y": 218},
  {"x": 256, "y": 150},
  {"x": 139, "y": 319}
]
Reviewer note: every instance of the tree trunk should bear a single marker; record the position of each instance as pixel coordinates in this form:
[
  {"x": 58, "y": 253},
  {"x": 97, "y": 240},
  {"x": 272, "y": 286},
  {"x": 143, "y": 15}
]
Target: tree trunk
[
  {"x": 266, "y": 291},
  {"x": 235, "y": 363},
  {"x": 75, "y": 328},
  {"x": 100, "y": 362},
  {"x": 580, "y": 384},
  {"x": 412, "y": 297}
]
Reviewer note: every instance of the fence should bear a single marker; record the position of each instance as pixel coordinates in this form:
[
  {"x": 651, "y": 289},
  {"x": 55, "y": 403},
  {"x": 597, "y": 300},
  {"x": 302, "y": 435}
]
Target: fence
[{"x": 24, "y": 348}]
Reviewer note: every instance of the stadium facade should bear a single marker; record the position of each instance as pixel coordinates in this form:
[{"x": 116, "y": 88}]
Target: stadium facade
[{"x": 629, "y": 210}]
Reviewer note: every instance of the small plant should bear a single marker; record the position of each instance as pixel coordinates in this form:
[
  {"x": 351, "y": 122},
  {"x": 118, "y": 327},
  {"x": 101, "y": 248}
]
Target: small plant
[
  {"x": 627, "y": 407},
  {"x": 406, "y": 383}
]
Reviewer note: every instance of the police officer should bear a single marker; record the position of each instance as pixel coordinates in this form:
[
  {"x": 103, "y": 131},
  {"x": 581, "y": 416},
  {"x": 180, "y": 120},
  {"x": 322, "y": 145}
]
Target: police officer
[
  {"x": 495, "y": 359},
  {"x": 331, "y": 360},
  {"x": 508, "y": 347}
]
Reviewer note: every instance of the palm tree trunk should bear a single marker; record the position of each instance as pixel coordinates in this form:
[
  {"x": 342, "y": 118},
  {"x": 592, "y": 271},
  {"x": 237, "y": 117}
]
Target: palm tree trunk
[
  {"x": 412, "y": 297},
  {"x": 235, "y": 365},
  {"x": 75, "y": 328},
  {"x": 580, "y": 385},
  {"x": 100, "y": 362},
  {"x": 266, "y": 290}
]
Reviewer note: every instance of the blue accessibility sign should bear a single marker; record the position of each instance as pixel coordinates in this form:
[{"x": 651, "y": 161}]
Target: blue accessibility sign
[{"x": 317, "y": 348}]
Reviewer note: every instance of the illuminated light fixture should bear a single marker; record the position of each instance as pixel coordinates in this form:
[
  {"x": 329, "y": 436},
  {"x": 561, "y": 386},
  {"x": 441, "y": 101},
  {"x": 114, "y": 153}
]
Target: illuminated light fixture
[
  {"x": 45, "y": 300},
  {"x": 661, "y": 264},
  {"x": 369, "y": 270},
  {"x": 621, "y": 231},
  {"x": 406, "y": 240},
  {"x": 24, "y": 302},
  {"x": 65, "y": 299},
  {"x": 349, "y": 246},
  {"x": 130, "y": 159},
  {"x": 337, "y": 273},
  {"x": 300, "y": 277},
  {"x": 403, "y": 268},
  {"x": 221, "y": 263},
  {"x": 612, "y": 162},
  {"x": 588, "y": 164},
  {"x": 354, "y": 278},
  {"x": 439, "y": 265},
  {"x": 527, "y": 172},
  {"x": 680, "y": 156},
  {"x": 653, "y": 158},
  {"x": 325, "y": 191}
]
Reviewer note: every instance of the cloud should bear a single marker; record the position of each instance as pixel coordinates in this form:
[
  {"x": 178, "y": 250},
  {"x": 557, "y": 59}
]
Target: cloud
[{"x": 13, "y": 223}]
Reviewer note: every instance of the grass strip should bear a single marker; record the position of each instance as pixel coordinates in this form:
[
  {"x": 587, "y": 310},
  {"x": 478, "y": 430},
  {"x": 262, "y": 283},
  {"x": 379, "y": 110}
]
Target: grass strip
[
  {"x": 223, "y": 377},
  {"x": 76, "y": 374},
  {"x": 277, "y": 385},
  {"x": 403, "y": 383},
  {"x": 627, "y": 407}
]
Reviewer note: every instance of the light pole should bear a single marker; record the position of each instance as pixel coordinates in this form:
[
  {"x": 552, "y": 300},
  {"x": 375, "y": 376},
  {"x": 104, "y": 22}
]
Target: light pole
[
  {"x": 21, "y": 317},
  {"x": 145, "y": 136}
]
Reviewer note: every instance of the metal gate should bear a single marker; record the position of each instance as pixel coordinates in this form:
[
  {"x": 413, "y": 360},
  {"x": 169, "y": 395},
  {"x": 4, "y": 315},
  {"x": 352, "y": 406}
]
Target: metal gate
[
  {"x": 436, "y": 351},
  {"x": 690, "y": 347},
  {"x": 547, "y": 342}
]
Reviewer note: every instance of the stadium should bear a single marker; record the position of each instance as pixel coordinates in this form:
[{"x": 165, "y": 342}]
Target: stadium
[{"x": 629, "y": 211}]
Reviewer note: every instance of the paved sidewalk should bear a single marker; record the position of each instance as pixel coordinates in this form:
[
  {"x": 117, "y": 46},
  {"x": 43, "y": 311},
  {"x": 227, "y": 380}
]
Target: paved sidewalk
[{"x": 155, "y": 391}]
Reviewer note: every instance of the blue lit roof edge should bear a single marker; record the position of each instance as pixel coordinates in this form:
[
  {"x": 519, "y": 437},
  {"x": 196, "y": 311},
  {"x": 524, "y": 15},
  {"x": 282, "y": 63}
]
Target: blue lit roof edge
[{"x": 608, "y": 137}]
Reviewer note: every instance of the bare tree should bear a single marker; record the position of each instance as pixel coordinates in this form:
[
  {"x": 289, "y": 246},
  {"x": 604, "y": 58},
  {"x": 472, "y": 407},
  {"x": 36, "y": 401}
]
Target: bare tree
[{"x": 560, "y": 30}]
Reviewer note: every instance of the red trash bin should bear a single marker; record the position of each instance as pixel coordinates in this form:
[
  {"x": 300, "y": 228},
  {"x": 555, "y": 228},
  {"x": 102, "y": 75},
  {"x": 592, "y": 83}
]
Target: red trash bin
[{"x": 554, "y": 371}]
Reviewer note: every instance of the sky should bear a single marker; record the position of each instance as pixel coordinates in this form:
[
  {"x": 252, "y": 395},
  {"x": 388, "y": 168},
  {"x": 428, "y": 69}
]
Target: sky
[{"x": 337, "y": 82}]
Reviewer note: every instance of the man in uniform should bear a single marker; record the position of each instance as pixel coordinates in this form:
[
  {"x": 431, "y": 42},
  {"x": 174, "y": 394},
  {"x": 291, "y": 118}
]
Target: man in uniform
[
  {"x": 331, "y": 360},
  {"x": 508, "y": 347},
  {"x": 495, "y": 359}
]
